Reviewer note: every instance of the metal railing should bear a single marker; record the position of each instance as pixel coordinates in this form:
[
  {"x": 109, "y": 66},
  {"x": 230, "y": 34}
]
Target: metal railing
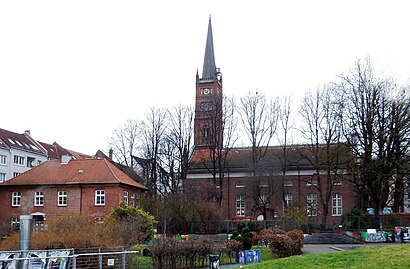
[{"x": 100, "y": 260}]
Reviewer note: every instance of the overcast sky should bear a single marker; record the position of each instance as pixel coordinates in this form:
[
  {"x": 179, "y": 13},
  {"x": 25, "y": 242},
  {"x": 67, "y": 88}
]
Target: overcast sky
[{"x": 73, "y": 71}]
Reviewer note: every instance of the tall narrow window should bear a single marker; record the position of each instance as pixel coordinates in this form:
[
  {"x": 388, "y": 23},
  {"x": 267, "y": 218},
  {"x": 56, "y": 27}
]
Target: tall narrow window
[
  {"x": 138, "y": 201},
  {"x": 133, "y": 199},
  {"x": 288, "y": 200},
  {"x": 3, "y": 159},
  {"x": 62, "y": 198},
  {"x": 337, "y": 205},
  {"x": 240, "y": 205},
  {"x": 126, "y": 198},
  {"x": 16, "y": 198},
  {"x": 100, "y": 197},
  {"x": 311, "y": 204},
  {"x": 206, "y": 132},
  {"x": 2, "y": 177},
  {"x": 38, "y": 198}
]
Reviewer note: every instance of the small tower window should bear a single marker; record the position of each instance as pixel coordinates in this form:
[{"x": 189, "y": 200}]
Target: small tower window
[{"x": 207, "y": 132}]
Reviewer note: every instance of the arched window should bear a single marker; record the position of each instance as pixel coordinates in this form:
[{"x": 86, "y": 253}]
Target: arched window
[{"x": 337, "y": 209}]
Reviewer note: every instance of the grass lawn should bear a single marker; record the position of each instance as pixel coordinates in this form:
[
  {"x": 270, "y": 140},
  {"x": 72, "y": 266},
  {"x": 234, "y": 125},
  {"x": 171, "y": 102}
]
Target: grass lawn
[{"x": 383, "y": 257}]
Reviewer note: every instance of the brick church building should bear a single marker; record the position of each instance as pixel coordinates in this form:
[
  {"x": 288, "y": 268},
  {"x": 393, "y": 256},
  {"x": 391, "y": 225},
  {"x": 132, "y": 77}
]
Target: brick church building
[{"x": 285, "y": 178}]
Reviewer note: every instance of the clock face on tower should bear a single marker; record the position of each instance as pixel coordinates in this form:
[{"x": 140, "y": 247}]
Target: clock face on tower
[{"x": 206, "y": 91}]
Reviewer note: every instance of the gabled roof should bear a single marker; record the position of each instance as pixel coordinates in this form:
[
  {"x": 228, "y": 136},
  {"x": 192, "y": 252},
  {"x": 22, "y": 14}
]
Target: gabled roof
[
  {"x": 55, "y": 151},
  {"x": 23, "y": 142},
  {"x": 82, "y": 171}
]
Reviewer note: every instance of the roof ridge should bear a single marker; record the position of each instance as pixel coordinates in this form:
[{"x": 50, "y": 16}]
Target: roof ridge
[{"x": 112, "y": 172}]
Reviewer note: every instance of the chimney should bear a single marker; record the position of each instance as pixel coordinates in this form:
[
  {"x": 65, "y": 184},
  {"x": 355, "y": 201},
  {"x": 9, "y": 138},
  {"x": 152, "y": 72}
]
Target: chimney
[
  {"x": 110, "y": 152},
  {"x": 27, "y": 132},
  {"x": 65, "y": 159}
]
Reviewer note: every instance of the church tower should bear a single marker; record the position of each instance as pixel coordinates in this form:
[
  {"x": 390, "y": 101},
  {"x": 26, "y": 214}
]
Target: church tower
[{"x": 208, "y": 124}]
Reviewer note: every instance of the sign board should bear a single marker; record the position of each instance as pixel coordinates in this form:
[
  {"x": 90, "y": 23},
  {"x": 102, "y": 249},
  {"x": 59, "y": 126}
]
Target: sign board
[{"x": 110, "y": 262}]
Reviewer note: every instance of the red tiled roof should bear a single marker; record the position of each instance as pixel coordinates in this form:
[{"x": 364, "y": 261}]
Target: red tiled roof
[
  {"x": 21, "y": 141},
  {"x": 83, "y": 171}
]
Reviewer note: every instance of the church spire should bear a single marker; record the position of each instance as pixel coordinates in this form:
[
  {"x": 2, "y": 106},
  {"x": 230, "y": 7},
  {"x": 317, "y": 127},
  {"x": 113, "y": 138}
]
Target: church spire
[{"x": 209, "y": 69}]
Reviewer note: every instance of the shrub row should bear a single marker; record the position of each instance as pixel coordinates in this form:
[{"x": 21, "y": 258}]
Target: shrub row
[{"x": 173, "y": 253}]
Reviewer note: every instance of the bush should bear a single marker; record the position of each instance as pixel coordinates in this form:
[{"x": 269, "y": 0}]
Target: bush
[
  {"x": 245, "y": 238},
  {"x": 132, "y": 225},
  {"x": 287, "y": 244},
  {"x": 69, "y": 231},
  {"x": 171, "y": 253}
]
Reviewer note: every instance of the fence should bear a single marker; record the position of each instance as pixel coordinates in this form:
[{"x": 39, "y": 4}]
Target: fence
[{"x": 67, "y": 259}]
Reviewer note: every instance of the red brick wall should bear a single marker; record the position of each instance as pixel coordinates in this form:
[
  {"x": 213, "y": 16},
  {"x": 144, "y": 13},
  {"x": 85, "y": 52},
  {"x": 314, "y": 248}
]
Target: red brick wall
[
  {"x": 79, "y": 200},
  {"x": 299, "y": 191}
]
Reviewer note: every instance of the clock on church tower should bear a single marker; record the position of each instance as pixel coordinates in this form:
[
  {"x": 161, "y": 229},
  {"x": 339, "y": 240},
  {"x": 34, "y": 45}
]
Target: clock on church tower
[{"x": 208, "y": 100}]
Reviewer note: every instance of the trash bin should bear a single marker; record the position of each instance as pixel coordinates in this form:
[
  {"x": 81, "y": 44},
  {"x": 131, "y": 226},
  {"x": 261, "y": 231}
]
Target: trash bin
[{"x": 213, "y": 262}]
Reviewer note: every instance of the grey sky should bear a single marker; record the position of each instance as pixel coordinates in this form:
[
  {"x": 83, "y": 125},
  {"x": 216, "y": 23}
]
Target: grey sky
[{"x": 74, "y": 71}]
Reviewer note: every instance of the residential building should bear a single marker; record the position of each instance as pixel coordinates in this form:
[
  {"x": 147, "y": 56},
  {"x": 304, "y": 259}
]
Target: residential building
[
  {"x": 18, "y": 153},
  {"x": 21, "y": 152},
  {"x": 89, "y": 186}
]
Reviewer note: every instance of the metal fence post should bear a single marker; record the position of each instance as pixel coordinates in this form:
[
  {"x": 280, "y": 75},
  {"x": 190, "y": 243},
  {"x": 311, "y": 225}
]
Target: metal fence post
[
  {"x": 123, "y": 258},
  {"x": 99, "y": 259},
  {"x": 74, "y": 262}
]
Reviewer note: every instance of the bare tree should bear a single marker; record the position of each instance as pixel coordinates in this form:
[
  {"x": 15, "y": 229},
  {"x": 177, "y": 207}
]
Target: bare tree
[
  {"x": 124, "y": 142},
  {"x": 260, "y": 118},
  {"x": 320, "y": 113},
  {"x": 286, "y": 125},
  {"x": 376, "y": 126},
  {"x": 220, "y": 140},
  {"x": 175, "y": 146},
  {"x": 152, "y": 133}
]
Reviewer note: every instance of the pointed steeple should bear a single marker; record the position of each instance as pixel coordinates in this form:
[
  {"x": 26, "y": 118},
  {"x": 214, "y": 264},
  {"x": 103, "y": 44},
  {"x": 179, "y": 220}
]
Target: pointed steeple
[{"x": 208, "y": 71}]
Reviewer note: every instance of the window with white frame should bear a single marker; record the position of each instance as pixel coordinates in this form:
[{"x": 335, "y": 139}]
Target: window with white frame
[
  {"x": 311, "y": 182},
  {"x": 3, "y": 159},
  {"x": 38, "y": 198},
  {"x": 337, "y": 209},
  {"x": 264, "y": 200},
  {"x": 287, "y": 182},
  {"x": 3, "y": 177},
  {"x": 288, "y": 200},
  {"x": 19, "y": 160},
  {"x": 16, "y": 174},
  {"x": 133, "y": 199},
  {"x": 16, "y": 198},
  {"x": 100, "y": 197},
  {"x": 240, "y": 184},
  {"x": 62, "y": 198},
  {"x": 15, "y": 224},
  {"x": 311, "y": 204},
  {"x": 126, "y": 198},
  {"x": 240, "y": 205}
]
